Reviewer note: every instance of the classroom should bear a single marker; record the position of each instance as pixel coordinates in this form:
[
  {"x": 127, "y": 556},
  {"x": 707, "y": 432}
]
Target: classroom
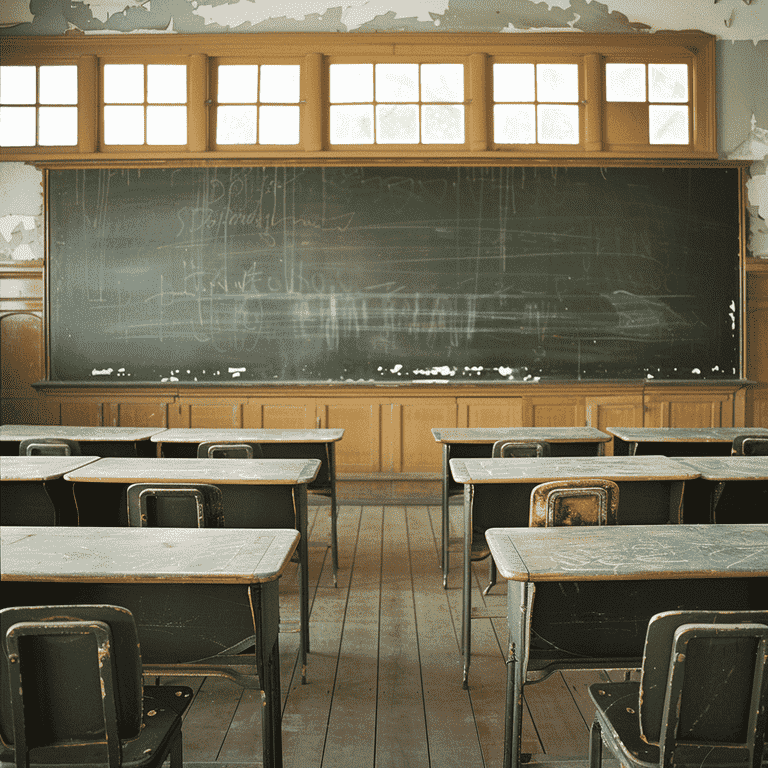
[{"x": 397, "y": 229}]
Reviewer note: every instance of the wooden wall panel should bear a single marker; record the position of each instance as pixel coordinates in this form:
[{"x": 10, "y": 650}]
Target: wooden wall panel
[
  {"x": 488, "y": 412},
  {"x": 407, "y": 441},
  {"x": 82, "y": 413},
  {"x": 359, "y": 452},
  {"x": 614, "y": 411},
  {"x": 563, "y": 411},
  {"x": 280, "y": 413},
  {"x": 203, "y": 413},
  {"x": 136, "y": 414}
]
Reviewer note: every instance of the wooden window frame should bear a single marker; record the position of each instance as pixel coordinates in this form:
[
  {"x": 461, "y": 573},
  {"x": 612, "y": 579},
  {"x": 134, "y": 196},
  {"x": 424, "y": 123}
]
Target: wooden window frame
[{"x": 314, "y": 51}]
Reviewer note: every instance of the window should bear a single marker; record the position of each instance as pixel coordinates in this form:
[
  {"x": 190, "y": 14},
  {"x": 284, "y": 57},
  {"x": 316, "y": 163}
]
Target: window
[
  {"x": 397, "y": 103},
  {"x": 38, "y": 106}
]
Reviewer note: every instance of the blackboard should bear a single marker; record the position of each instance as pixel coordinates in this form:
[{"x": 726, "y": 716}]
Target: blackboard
[{"x": 371, "y": 274}]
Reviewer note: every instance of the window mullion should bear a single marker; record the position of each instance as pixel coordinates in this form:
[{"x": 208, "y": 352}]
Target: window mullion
[
  {"x": 592, "y": 102},
  {"x": 314, "y": 102},
  {"x": 478, "y": 106},
  {"x": 87, "y": 104},
  {"x": 198, "y": 78}
]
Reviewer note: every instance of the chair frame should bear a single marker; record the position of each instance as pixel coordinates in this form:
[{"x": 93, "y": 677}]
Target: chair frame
[
  {"x": 545, "y": 496},
  {"x": 501, "y": 449},
  {"x": 207, "y": 498},
  {"x": 209, "y": 450},
  {"x": 49, "y": 446},
  {"x": 741, "y": 443}
]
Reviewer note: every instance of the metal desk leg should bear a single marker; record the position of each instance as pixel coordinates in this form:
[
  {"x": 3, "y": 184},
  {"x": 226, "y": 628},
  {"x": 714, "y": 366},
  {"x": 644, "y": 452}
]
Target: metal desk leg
[
  {"x": 331, "y": 455},
  {"x": 519, "y": 602},
  {"x": 676, "y": 490},
  {"x": 466, "y": 603},
  {"x": 444, "y": 542},
  {"x": 301, "y": 515},
  {"x": 717, "y": 492}
]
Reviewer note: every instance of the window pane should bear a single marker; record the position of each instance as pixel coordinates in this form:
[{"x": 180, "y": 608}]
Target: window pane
[
  {"x": 236, "y": 125},
  {"x": 351, "y": 82},
  {"x": 166, "y": 84},
  {"x": 397, "y": 123},
  {"x": 18, "y": 86},
  {"x": 625, "y": 82},
  {"x": 17, "y": 126},
  {"x": 667, "y": 82},
  {"x": 123, "y": 125},
  {"x": 558, "y": 124},
  {"x": 278, "y": 125},
  {"x": 238, "y": 83},
  {"x": 442, "y": 82},
  {"x": 442, "y": 124},
  {"x": 513, "y": 82},
  {"x": 57, "y": 126},
  {"x": 668, "y": 125},
  {"x": 352, "y": 124},
  {"x": 58, "y": 85},
  {"x": 397, "y": 82},
  {"x": 557, "y": 82},
  {"x": 280, "y": 83},
  {"x": 124, "y": 84},
  {"x": 514, "y": 124},
  {"x": 166, "y": 125}
]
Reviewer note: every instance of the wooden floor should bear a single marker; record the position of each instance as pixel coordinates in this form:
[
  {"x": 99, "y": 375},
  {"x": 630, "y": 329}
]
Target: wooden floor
[{"x": 384, "y": 671}]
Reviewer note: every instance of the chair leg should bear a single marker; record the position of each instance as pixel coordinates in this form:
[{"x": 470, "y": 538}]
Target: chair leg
[
  {"x": 491, "y": 575},
  {"x": 595, "y": 744},
  {"x": 176, "y": 752}
]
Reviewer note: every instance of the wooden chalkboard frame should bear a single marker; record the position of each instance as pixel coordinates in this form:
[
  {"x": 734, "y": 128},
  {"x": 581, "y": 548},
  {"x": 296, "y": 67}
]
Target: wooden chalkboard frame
[{"x": 437, "y": 377}]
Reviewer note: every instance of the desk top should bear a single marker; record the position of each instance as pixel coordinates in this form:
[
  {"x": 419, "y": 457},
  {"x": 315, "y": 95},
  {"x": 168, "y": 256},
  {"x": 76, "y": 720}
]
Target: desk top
[
  {"x": 548, "y": 434},
  {"x": 85, "y": 434},
  {"x": 220, "y": 471},
  {"x": 617, "y": 552},
  {"x": 249, "y": 435},
  {"x": 683, "y": 435},
  {"x": 145, "y": 555},
  {"x": 729, "y": 467},
  {"x": 25, "y": 468},
  {"x": 543, "y": 470}
]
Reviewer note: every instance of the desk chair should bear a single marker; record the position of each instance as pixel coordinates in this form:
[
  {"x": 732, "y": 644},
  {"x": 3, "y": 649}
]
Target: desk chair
[
  {"x": 701, "y": 699},
  {"x": 169, "y": 505},
  {"x": 749, "y": 445},
  {"x": 49, "y": 446},
  {"x": 588, "y": 501},
  {"x": 229, "y": 451},
  {"x": 72, "y": 692}
]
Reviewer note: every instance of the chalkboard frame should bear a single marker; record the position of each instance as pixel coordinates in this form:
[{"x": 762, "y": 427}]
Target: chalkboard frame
[{"x": 738, "y": 374}]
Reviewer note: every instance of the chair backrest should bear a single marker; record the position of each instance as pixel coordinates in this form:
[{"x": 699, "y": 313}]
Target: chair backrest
[
  {"x": 229, "y": 451},
  {"x": 749, "y": 445},
  {"x": 169, "y": 505},
  {"x": 704, "y": 687},
  {"x": 509, "y": 449},
  {"x": 587, "y": 501},
  {"x": 49, "y": 446},
  {"x": 71, "y": 676}
]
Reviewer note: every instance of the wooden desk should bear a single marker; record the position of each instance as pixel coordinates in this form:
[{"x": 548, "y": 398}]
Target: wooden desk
[
  {"x": 192, "y": 593},
  {"x": 476, "y": 443},
  {"x": 596, "y": 589},
  {"x": 275, "y": 444},
  {"x": 497, "y": 492},
  {"x": 95, "y": 441},
  {"x": 258, "y": 493},
  {"x": 732, "y": 489},
  {"x": 674, "y": 441},
  {"x": 33, "y": 490}
]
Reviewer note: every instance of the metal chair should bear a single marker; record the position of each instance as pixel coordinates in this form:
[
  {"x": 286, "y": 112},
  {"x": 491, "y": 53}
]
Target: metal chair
[
  {"x": 749, "y": 445},
  {"x": 701, "y": 699},
  {"x": 587, "y": 501},
  {"x": 509, "y": 449},
  {"x": 229, "y": 451},
  {"x": 72, "y": 692},
  {"x": 49, "y": 446},
  {"x": 169, "y": 505}
]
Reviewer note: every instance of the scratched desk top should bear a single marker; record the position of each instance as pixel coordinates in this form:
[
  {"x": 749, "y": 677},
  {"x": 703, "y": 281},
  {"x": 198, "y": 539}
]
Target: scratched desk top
[
  {"x": 548, "y": 434},
  {"x": 545, "y": 469},
  {"x": 181, "y": 555},
  {"x": 683, "y": 435},
  {"x": 30, "y": 468},
  {"x": 249, "y": 435},
  {"x": 584, "y": 553},
  {"x": 723, "y": 468},
  {"x": 123, "y": 434},
  {"x": 220, "y": 471}
]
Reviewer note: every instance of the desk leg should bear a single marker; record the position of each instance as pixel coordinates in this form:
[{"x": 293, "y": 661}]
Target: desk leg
[
  {"x": 466, "y": 603},
  {"x": 519, "y": 601},
  {"x": 717, "y": 492},
  {"x": 331, "y": 456},
  {"x": 301, "y": 514},
  {"x": 444, "y": 542},
  {"x": 676, "y": 490}
]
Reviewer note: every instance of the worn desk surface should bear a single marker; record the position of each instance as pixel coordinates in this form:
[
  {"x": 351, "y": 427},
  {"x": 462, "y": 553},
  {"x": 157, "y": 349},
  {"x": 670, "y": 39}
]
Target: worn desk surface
[
  {"x": 543, "y": 470},
  {"x": 477, "y": 435},
  {"x": 31, "y": 468},
  {"x": 249, "y": 435},
  {"x": 217, "y": 471},
  {"x": 19, "y": 432},
  {"x": 724, "y": 468},
  {"x": 683, "y": 435},
  {"x": 169, "y": 555}
]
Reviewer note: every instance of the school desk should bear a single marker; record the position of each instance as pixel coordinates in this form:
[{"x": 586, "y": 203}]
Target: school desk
[
  {"x": 95, "y": 441},
  {"x": 33, "y": 490},
  {"x": 275, "y": 444},
  {"x": 581, "y": 598},
  {"x": 678, "y": 441},
  {"x": 198, "y": 597},
  {"x": 257, "y": 493},
  {"x": 497, "y": 492},
  {"x": 476, "y": 443}
]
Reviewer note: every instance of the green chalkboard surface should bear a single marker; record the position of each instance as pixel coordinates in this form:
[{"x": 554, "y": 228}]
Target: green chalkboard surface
[{"x": 394, "y": 274}]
